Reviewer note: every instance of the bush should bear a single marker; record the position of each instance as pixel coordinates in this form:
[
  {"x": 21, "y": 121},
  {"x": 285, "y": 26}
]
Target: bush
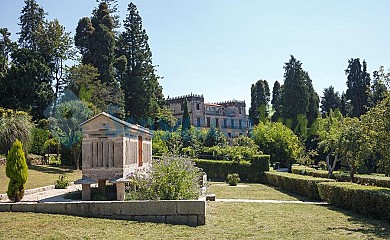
[
  {"x": 233, "y": 179},
  {"x": 61, "y": 183},
  {"x": 302, "y": 185},
  {"x": 248, "y": 171},
  {"x": 278, "y": 141},
  {"x": 17, "y": 172},
  {"x": 39, "y": 137},
  {"x": 170, "y": 178},
  {"x": 367, "y": 200}
]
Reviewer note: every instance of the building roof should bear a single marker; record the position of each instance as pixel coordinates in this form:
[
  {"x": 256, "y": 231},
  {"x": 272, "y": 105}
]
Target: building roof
[{"x": 124, "y": 123}]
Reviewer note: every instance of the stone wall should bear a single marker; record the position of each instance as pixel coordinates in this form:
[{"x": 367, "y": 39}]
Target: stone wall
[{"x": 187, "y": 212}]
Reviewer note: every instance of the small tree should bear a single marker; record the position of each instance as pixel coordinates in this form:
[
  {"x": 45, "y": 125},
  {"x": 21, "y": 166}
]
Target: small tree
[{"x": 16, "y": 171}]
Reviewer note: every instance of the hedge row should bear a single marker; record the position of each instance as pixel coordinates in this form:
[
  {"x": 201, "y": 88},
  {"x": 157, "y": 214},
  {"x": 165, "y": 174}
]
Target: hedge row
[
  {"x": 249, "y": 171},
  {"x": 344, "y": 177},
  {"x": 367, "y": 200},
  {"x": 298, "y": 184}
]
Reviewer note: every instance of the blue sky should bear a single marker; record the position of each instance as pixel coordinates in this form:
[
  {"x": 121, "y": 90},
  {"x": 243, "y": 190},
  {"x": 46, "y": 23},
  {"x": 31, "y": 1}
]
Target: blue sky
[{"x": 219, "y": 48}]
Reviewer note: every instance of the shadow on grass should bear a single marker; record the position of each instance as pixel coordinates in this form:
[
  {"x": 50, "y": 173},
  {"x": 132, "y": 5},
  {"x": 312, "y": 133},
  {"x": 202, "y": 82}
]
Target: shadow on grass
[
  {"x": 299, "y": 197},
  {"x": 52, "y": 169},
  {"x": 379, "y": 228}
]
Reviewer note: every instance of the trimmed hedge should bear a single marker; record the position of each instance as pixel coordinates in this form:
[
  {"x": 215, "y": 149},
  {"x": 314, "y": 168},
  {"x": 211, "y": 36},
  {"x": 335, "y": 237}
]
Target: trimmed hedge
[
  {"x": 248, "y": 171},
  {"x": 371, "y": 180},
  {"x": 367, "y": 200},
  {"x": 298, "y": 184}
]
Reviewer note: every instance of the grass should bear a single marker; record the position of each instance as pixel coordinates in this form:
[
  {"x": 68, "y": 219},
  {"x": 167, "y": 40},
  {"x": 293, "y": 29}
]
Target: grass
[
  {"x": 224, "y": 221},
  {"x": 39, "y": 176},
  {"x": 249, "y": 191}
]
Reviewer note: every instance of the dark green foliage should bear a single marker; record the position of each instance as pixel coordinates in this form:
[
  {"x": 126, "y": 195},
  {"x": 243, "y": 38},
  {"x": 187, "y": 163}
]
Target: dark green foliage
[
  {"x": 186, "y": 124},
  {"x": 302, "y": 185},
  {"x": 5, "y": 49},
  {"x": 31, "y": 25},
  {"x": 233, "y": 179},
  {"x": 367, "y": 200},
  {"x": 260, "y": 96},
  {"x": 39, "y": 137},
  {"x": 278, "y": 141},
  {"x": 378, "y": 88},
  {"x": 249, "y": 172},
  {"x": 276, "y": 101},
  {"x": 17, "y": 172},
  {"x": 330, "y": 100},
  {"x": 314, "y": 102},
  {"x": 358, "y": 83},
  {"x": 295, "y": 96},
  {"x": 143, "y": 94}
]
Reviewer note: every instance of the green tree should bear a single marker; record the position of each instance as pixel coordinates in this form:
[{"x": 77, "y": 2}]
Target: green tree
[
  {"x": 14, "y": 125},
  {"x": 214, "y": 137},
  {"x": 31, "y": 24},
  {"x": 143, "y": 94},
  {"x": 5, "y": 49},
  {"x": 378, "y": 88},
  {"x": 65, "y": 127},
  {"x": 279, "y": 141},
  {"x": 186, "y": 124},
  {"x": 296, "y": 96},
  {"x": 260, "y": 96},
  {"x": 314, "y": 101},
  {"x": 276, "y": 101},
  {"x": 16, "y": 171},
  {"x": 330, "y": 100},
  {"x": 358, "y": 83},
  {"x": 329, "y": 133},
  {"x": 353, "y": 144}
]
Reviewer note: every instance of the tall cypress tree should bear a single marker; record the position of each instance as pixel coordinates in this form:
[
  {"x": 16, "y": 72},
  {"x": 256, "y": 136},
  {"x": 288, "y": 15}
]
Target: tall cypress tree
[
  {"x": 186, "y": 124},
  {"x": 260, "y": 96},
  {"x": 358, "y": 83},
  {"x": 276, "y": 101},
  {"x": 314, "y": 101},
  {"x": 295, "y": 97},
  {"x": 143, "y": 94},
  {"x": 31, "y": 25}
]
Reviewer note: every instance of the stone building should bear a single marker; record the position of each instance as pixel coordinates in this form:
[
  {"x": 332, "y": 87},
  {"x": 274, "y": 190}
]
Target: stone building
[
  {"x": 229, "y": 116},
  {"x": 111, "y": 150}
]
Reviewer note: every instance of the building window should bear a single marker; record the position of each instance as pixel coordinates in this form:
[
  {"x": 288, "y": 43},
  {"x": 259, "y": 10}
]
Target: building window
[
  {"x": 197, "y": 106},
  {"x": 239, "y": 110},
  {"x": 232, "y": 123},
  {"x": 198, "y": 122},
  {"x": 217, "y": 122},
  {"x": 208, "y": 122},
  {"x": 240, "y": 124},
  {"x": 225, "y": 123},
  {"x": 229, "y": 135}
]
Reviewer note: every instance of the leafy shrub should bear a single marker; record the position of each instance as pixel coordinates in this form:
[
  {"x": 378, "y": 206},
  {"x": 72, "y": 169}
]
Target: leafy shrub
[
  {"x": 39, "y": 137},
  {"x": 17, "y": 172},
  {"x": 233, "y": 179},
  {"x": 249, "y": 171},
  {"x": 371, "y": 201},
  {"x": 214, "y": 137},
  {"x": 278, "y": 141},
  {"x": 61, "y": 183},
  {"x": 302, "y": 185},
  {"x": 170, "y": 178}
]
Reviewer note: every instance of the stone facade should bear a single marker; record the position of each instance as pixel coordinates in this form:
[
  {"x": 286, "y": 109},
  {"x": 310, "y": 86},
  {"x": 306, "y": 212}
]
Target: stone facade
[
  {"x": 111, "y": 150},
  {"x": 229, "y": 116}
]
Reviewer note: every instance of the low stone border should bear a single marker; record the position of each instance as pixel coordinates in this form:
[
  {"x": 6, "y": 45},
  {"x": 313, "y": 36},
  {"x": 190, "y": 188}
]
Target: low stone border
[{"x": 187, "y": 212}]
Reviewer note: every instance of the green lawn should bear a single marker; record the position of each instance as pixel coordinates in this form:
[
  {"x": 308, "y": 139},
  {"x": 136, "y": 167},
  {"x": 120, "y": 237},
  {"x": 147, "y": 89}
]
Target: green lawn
[
  {"x": 249, "y": 191},
  {"x": 224, "y": 221},
  {"x": 39, "y": 176}
]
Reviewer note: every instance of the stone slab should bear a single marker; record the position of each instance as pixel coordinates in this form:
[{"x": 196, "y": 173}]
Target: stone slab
[
  {"x": 5, "y": 207},
  {"x": 191, "y": 207},
  {"x": 23, "y": 207}
]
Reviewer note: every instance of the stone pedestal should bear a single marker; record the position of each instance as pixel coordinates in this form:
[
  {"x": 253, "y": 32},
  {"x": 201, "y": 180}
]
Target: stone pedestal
[
  {"x": 102, "y": 186},
  {"x": 86, "y": 192},
  {"x": 120, "y": 191}
]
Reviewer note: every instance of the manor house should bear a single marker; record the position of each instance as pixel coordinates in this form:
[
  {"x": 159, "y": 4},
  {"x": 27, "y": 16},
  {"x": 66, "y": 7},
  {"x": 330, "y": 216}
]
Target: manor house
[{"x": 229, "y": 116}]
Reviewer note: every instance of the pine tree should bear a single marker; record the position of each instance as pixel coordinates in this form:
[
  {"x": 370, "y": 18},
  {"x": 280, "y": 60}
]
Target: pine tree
[
  {"x": 276, "y": 101},
  {"x": 358, "y": 83},
  {"x": 260, "y": 96},
  {"x": 143, "y": 94},
  {"x": 31, "y": 25},
  {"x": 16, "y": 171},
  {"x": 330, "y": 100},
  {"x": 295, "y": 97},
  {"x": 314, "y": 101}
]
